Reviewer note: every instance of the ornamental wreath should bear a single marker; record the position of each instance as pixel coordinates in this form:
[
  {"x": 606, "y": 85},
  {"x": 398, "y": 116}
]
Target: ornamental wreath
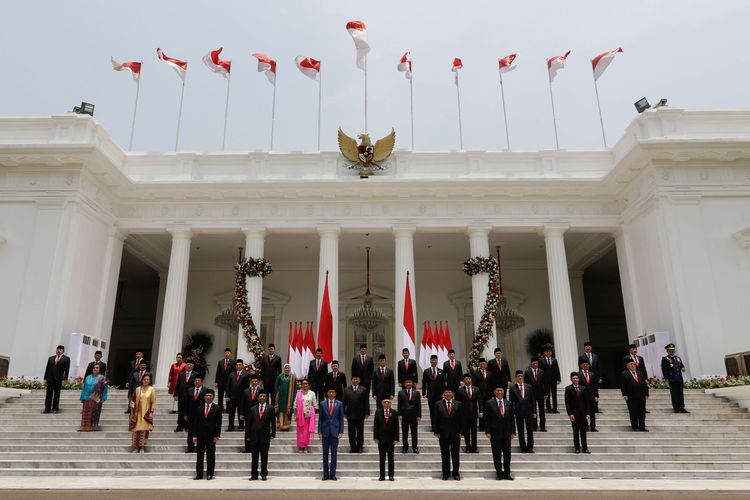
[
  {"x": 484, "y": 331},
  {"x": 253, "y": 268}
]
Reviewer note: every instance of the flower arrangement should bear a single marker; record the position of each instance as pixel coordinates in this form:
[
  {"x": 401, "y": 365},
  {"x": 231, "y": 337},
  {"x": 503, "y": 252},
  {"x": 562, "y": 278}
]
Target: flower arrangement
[
  {"x": 715, "y": 382},
  {"x": 197, "y": 344},
  {"x": 253, "y": 268},
  {"x": 484, "y": 331},
  {"x": 36, "y": 384}
]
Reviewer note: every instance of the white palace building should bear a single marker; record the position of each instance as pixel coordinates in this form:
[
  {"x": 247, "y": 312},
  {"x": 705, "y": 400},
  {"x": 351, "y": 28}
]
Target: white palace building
[{"x": 132, "y": 251}]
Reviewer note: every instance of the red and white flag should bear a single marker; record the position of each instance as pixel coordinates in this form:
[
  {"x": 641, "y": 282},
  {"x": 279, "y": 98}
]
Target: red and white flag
[
  {"x": 220, "y": 66},
  {"x": 409, "y": 340},
  {"x": 325, "y": 327},
  {"x": 506, "y": 63},
  {"x": 432, "y": 342},
  {"x": 180, "y": 67},
  {"x": 448, "y": 341},
  {"x": 405, "y": 65},
  {"x": 600, "y": 62},
  {"x": 133, "y": 66},
  {"x": 308, "y": 66},
  {"x": 267, "y": 66},
  {"x": 443, "y": 355},
  {"x": 554, "y": 64},
  {"x": 299, "y": 349},
  {"x": 423, "y": 348},
  {"x": 457, "y": 64},
  {"x": 358, "y": 31},
  {"x": 309, "y": 346}
]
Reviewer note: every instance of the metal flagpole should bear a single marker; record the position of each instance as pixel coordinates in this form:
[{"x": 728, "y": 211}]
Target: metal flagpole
[
  {"x": 505, "y": 115},
  {"x": 411, "y": 103},
  {"x": 460, "y": 127},
  {"x": 226, "y": 114},
  {"x": 554, "y": 119},
  {"x": 365, "y": 94},
  {"x": 135, "y": 109},
  {"x": 320, "y": 93},
  {"x": 179, "y": 116},
  {"x": 599, "y": 107},
  {"x": 273, "y": 111}
]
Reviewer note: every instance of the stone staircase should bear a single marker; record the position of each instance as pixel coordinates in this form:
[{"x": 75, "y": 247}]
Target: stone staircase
[{"x": 712, "y": 442}]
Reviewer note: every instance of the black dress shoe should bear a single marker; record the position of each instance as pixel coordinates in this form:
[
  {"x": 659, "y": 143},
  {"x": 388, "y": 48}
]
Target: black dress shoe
[
  {"x": 231, "y": 429},
  {"x": 648, "y": 411},
  {"x": 253, "y": 478},
  {"x": 48, "y": 411},
  {"x": 391, "y": 478},
  {"x": 177, "y": 429},
  {"x": 197, "y": 478},
  {"x": 643, "y": 430},
  {"x": 263, "y": 478},
  {"x": 586, "y": 451},
  {"x": 578, "y": 451},
  {"x": 415, "y": 450},
  {"x": 498, "y": 477},
  {"x": 594, "y": 430},
  {"x": 334, "y": 478},
  {"x": 684, "y": 411},
  {"x": 508, "y": 477},
  {"x": 457, "y": 477},
  {"x": 542, "y": 430},
  {"x": 126, "y": 411},
  {"x": 210, "y": 477},
  {"x": 405, "y": 450},
  {"x": 381, "y": 478},
  {"x": 190, "y": 450},
  {"x": 529, "y": 451},
  {"x": 445, "y": 477},
  {"x": 325, "y": 478}
]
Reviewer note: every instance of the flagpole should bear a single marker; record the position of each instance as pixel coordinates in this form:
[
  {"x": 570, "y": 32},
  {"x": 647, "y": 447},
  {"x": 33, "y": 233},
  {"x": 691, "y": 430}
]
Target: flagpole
[
  {"x": 460, "y": 127},
  {"x": 135, "y": 109},
  {"x": 411, "y": 105},
  {"x": 554, "y": 119},
  {"x": 320, "y": 93},
  {"x": 179, "y": 115},
  {"x": 226, "y": 114},
  {"x": 365, "y": 94},
  {"x": 273, "y": 111},
  {"x": 505, "y": 115},
  {"x": 599, "y": 107}
]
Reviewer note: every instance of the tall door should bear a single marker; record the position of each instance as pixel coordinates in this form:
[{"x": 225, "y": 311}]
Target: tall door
[{"x": 378, "y": 342}]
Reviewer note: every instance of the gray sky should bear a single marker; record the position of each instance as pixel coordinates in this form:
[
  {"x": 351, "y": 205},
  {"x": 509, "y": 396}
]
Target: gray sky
[{"x": 56, "y": 53}]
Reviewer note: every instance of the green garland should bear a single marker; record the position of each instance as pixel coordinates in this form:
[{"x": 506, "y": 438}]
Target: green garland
[
  {"x": 253, "y": 268},
  {"x": 484, "y": 330}
]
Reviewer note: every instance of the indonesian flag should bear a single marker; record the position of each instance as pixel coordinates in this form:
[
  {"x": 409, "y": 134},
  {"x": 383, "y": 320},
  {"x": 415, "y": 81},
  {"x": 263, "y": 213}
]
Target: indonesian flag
[
  {"x": 424, "y": 359},
  {"x": 308, "y": 66},
  {"x": 448, "y": 342},
  {"x": 220, "y": 66},
  {"x": 268, "y": 66},
  {"x": 133, "y": 66},
  {"x": 443, "y": 345},
  {"x": 554, "y": 64},
  {"x": 325, "y": 327},
  {"x": 457, "y": 64},
  {"x": 309, "y": 347},
  {"x": 358, "y": 32},
  {"x": 408, "y": 330},
  {"x": 506, "y": 63},
  {"x": 600, "y": 62},
  {"x": 431, "y": 343},
  {"x": 180, "y": 67},
  {"x": 405, "y": 65},
  {"x": 297, "y": 350}
]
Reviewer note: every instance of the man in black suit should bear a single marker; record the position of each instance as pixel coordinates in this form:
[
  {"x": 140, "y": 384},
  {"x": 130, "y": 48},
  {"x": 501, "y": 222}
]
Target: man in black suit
[
  {"x": 383, "y": 382},
  {"x": 433, "y": 385},
  {"x": 193, "y": 398},
  {"x": 224, "y": 367},
  {"x": 207, "y": 430},
  {"x": 270, "y": 369},
  {"x": 97, "y": 362},
  {"x": 410, "y": 414},
  {"x": 472, "y": 407},
  {"x": 640, "y": 363},
  {"x": 500, "y": 371},
  {"x": 500, "y": 427},
  {"x": 185, "y": 381},
  {"x": 534, "y": 376},
  {"x": 594, "y": 362},
  {"x": 407, "y": 368},
  {"x": 136, "y": 379},
  {"x": 588, "y": 379},
  {"x": 453, "y": 372},
  {"x": 250, "y": 399},
  {"x": 578, "y": 410},
  {"x": 261, "y": 422},
  {"x": 236, "y": 384},
  {"x": 356, "y": 410},
  {"x": 447, "y": 425},
  {"x": 56, "y": 371},
  {"x": 634, "y": 388},
  {"x": 552, "y": 378},
  {"x": 385, "y": 435},
  {"x": 672, "y": 369},
  {"x": 336, "y": 380},
  {"x": 316, "y": 374},
  {"x": 363, "y": 366},
  {"x": 522, "y": 396},
  {"x": 484, "y": 380},
  {"x": 135, "y": 363}
]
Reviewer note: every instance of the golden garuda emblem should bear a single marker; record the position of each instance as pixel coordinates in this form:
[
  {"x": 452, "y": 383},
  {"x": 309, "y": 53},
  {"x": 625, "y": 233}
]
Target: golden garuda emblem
[{"x": 365, "y": 157}]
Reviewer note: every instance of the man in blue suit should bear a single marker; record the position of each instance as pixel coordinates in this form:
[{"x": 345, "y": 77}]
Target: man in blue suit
[
  {"x": 672, "y": 368},
  {"x": 330, "y": 428}
]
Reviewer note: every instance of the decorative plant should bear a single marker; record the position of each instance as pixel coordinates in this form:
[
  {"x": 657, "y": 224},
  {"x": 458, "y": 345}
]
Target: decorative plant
[
  {"x": 536, "y": 341},
  {"x": 197, "y": 345}
]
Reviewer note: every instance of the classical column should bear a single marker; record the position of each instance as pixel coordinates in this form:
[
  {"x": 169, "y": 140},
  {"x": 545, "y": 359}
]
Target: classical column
[
  {"x": 404, "y": 239},
  {"x": 108, "y": 291},
  {"x": 329, "y": 261},
  {"x": 254, "y": 242},
  {"x": 628, "y": 284},
  {"x": 563, "y": 323},
  {"x": 479, "y": 246},
  {"x": 173, "y": 317}
]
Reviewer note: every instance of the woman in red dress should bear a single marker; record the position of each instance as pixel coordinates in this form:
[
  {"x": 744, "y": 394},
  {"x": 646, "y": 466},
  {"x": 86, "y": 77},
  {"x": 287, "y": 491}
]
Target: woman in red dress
[{"x": 174, "y": 373}]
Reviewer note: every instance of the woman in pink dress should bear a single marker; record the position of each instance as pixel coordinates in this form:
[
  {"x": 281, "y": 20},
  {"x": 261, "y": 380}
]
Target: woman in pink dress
[
  {"x": 304, "y": 411},
  {"x": 174, "y": 374}
]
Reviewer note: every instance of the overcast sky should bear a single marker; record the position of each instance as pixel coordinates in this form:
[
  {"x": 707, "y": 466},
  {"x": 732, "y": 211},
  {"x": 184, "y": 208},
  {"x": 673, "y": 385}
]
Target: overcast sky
[{"x": 55, "y": 54}]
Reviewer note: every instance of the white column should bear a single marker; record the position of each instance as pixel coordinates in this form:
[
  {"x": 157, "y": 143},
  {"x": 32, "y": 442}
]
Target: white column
[
  {"x": 254, "y": 243},
  {"x": 404, "y": 239},
  {"x": 628, "y": 284},
  {"x": 329, "y": 261},
  {"x": 563, "y": 322},
  {"x": 158, "y": 317},
  {"x": 479, "y": 246},
  {"x": 108, "y": 291},
  {"x": 173, "y": 318}
]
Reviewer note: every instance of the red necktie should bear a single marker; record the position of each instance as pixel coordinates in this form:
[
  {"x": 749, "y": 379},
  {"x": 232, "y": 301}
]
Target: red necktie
[
  {"x": 57, "y": 359},
  {"x": 208, "y": 408},
  {"x": 140, "y": 376},
  {"x": 382, "y": 374},
  {"x": 262, "y": 410},
  {"x": 197, "y": 391},
  {"x": 469, "y": 391},
  {"x": 237, "y": 377},
  {"x": 330, "y": 408},
  {"x": 502, "y": 407},
  {"x": 253, "y": 394},
  {"x": 406, "y": 364},
  {"x": 226, "y": 364},
  {"x": 387, "y": 415},
  {"x": 521, "y": 388},
  {"x": 317, "y": 365},
  {"x": 334, "y": 376},
  {"x": 578, "y": 393},
  {"x": 635, "y": 376},
  {"x": 587, "y": 376},
  {"x": 484, "y": 375},
  {"x": 453, "y": 365},
  {"x": 535, "y": 375},
  {"x": 433, "y": 374},
  {"x": 408, "y": 394},
  {"x": 449, "y": 407},
  {"x": 636, "y": 360}
]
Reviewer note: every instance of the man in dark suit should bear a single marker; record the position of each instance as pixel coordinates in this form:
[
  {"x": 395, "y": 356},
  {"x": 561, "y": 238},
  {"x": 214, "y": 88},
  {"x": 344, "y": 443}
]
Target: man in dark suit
[
  {"x": 524, "y": 404},
  {"x": 336, "y": 380},
  {"x": 410, "y": 414},
  {"x": 453, "y": 372},
  {"x": 534, "y": 376},
  {"x": 634, "y": 388},
  {"x": 97, "y": 362},
  {"x": 250, "y": 399},
  {"x": 447, "y": 425},
  {"x": 588, "y": 379},
  {"x": 330, "y": 428},
  {"x": 236, "y": 384},
  {"x": 363, "y": 366},
  {"x": 192, "y": 399},
  {"x": 316, "y": 374},
  {"x": 207, "y": 430},
  {"x": 135, "y": 363},
  {"x": 407, "y": 368},
  {"x": 385, "y": 435},
  {"x": 224, "y": 367},
  {"x": 56, "y": 371},
  {"x": 596, "y": 367},
  {"x": 356, "y": 409},
  {"x": 552, "y": 378},
  {"x": 578, "y": 410},
  {"x": 270, "y": 369},
  {"x": 433, "y": 385},
  {"x": 671, "y": 369},
  {"x": 383, "y": 382},
  {"x": 500, "y": 371},
  {"x": 185, "y": 381},
  {"x": 136, "y": 379},
  {"x": 484, "y": 380},
  {"x": 472, "y": 406},
  {"x": 261, "y": 421},
  {"x": 500, "y": 427},
  {"x": 640, "y": 363}
]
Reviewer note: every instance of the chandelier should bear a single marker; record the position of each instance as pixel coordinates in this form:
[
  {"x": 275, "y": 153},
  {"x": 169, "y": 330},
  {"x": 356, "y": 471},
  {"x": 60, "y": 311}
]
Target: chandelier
[
  {"x": 368, "y": 317},
  {"x": 507, "y": 319},
  {"x": 227, "y": 319}
]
